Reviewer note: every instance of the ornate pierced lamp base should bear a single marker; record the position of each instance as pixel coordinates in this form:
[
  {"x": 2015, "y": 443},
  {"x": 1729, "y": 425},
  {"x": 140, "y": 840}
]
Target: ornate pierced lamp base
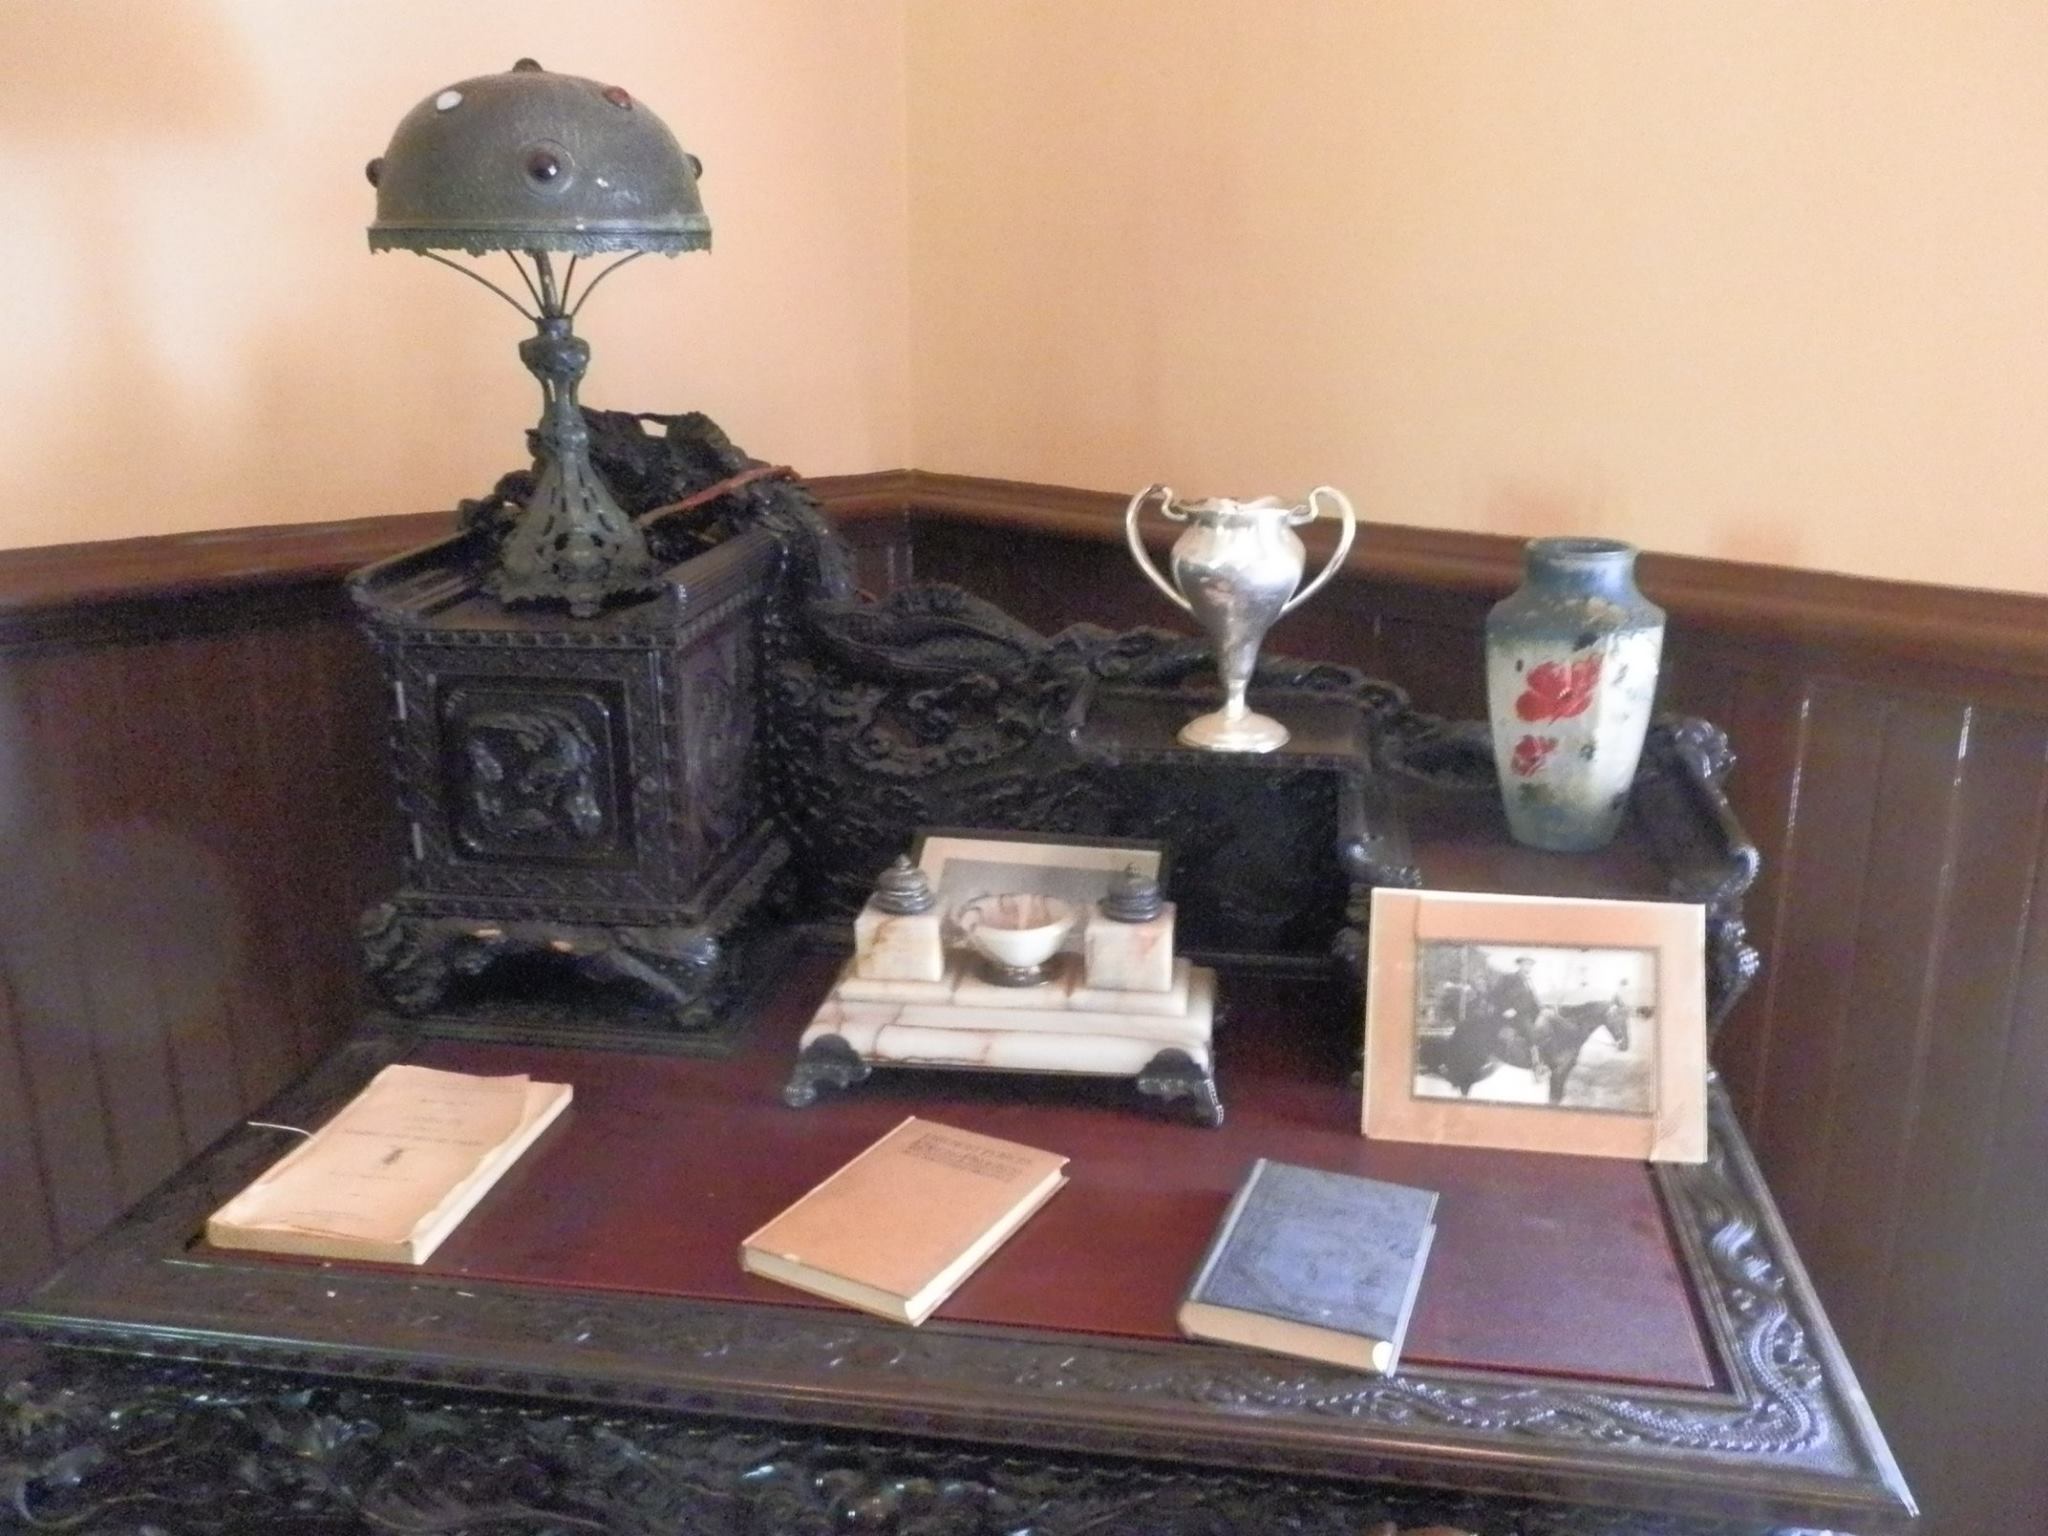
[{"x": 1224, "y": 732}]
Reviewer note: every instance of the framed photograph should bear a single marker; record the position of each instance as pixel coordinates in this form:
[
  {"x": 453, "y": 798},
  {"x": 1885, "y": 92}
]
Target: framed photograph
[
  {"x": 965, "y": 864},
  {"x": 1537, "y": 1024}
]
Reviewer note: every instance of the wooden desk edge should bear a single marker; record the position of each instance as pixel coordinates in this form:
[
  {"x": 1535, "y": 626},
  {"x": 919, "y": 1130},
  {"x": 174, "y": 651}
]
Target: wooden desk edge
[{"x": 1792, "y": 1442}]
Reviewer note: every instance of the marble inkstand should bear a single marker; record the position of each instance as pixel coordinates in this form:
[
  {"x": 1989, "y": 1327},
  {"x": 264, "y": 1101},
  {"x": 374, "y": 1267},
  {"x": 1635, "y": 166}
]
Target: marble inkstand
[{"x": 1125, "y": 1006}]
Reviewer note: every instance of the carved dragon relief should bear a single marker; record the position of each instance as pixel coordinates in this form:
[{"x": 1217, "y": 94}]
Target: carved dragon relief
[
  {"x": 714, "y": 720},
  {"x": 529, "y": 775},
  {"x": 933, "y": 707},
  {"x": 1682, "y": 807}
]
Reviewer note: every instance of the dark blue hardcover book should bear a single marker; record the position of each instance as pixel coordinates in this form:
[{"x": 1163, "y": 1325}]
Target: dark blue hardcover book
[{"x": 1316, "y": 1264}]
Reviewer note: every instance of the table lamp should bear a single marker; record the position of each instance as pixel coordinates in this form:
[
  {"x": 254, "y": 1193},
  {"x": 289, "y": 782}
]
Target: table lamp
[
  {"x": 542, "y": 164},
  {"x": 585, "y": 838}
]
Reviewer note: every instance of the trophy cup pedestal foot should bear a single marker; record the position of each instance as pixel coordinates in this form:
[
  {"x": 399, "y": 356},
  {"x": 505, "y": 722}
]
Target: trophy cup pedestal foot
[{"x": 1224, "y": 732}]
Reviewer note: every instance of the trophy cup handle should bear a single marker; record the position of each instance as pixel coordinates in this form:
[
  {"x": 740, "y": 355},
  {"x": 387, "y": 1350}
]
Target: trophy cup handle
[
  {"x": 1165, "y": 495},
  {"x": 1336, "y": 555}
]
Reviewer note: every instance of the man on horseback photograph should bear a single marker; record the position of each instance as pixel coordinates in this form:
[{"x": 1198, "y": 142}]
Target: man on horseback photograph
[
  {"x": 1512, "y": 1002},
  {"x": 1499, "y": 1026}
]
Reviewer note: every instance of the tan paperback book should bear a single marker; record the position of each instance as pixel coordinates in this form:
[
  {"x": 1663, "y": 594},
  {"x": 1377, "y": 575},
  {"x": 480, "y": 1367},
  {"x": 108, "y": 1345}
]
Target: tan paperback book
[
  {"x": 395, "y": 1170},
  {"x": 898, "y": 1229}
]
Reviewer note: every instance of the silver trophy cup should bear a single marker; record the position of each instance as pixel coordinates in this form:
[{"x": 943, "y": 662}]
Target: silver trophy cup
[{"x": 1236, "y": 569}]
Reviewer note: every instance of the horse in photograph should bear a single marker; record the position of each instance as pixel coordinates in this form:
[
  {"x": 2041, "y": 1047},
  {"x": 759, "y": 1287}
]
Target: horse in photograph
[
  {"x": 1561, "y": 1033},
  {"x": 1469, "y": 1049},
  {"x": 1481, "y": 1037}
]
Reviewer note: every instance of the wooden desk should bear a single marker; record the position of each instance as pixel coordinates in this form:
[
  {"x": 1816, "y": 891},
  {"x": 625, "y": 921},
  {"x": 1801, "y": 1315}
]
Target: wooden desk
[{"x": 1601, "y": 1347}]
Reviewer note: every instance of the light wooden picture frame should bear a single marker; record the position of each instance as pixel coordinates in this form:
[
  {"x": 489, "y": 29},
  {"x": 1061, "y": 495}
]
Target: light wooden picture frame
[{"x": 1539, "y": 1024}]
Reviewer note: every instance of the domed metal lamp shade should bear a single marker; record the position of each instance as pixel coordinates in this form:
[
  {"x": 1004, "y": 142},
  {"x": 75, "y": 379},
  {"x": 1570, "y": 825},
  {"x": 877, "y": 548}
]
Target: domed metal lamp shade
[{"x": 545, "y": 164}]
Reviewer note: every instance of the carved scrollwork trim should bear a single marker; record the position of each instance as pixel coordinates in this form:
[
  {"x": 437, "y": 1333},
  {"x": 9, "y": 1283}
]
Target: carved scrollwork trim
[{"x": 216, "y": 1453}]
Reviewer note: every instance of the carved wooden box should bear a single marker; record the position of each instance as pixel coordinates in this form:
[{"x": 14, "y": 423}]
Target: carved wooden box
[{"x": 582, "y": 795}]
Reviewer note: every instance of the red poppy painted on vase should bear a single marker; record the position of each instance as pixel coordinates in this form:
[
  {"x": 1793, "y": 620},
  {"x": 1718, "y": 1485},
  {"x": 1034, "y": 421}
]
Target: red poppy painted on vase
[
  {"x": 1555, "y": 692},
  {"x": 1530, "y": 753}
]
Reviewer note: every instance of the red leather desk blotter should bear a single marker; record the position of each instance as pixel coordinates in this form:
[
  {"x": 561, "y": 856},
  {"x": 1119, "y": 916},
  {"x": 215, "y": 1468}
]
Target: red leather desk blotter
[{"x": 1548, "y": 1265}]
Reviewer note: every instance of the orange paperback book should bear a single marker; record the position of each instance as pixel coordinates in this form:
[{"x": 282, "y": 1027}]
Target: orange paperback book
[
  {"x": 898, "y": 1229},
  {"x": 395, "y": 1170}
]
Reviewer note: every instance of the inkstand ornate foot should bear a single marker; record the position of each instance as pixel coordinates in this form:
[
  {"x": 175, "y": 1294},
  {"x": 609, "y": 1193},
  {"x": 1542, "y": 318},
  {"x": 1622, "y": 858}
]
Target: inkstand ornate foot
[
  {"x": 1174, "y": 1074},
  {"x": 827, "y": 1060}
]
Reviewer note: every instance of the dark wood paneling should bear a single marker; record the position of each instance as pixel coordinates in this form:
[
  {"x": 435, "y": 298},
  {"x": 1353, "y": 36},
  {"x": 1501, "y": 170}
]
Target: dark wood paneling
[
  {"x": 102, "y": 818},
  {"x": 192, "y": 810},
  {"x": 41, "y": 588},
  {"x": 1952, "y": 1161},
  {"x": 1982, "y": 1425},
  {"x": 46, "y": 928},
  {"x": 27, "y": 1196},
  {"x": 188, "y": 825},
  {"x": 1874, "y": 1093},
  {"x": 1823, "y": 864},
  {"x": 184, "y": 937}
]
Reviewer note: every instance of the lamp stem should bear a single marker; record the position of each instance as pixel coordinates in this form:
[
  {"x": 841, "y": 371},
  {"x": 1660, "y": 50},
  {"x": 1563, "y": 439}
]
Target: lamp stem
[
  {"x": 572, "y": 543},
  {"x": 550, "y": 297}
]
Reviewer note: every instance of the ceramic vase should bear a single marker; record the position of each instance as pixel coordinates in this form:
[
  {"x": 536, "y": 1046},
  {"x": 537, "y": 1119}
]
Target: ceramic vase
[{"x": 1571, "y": 671}]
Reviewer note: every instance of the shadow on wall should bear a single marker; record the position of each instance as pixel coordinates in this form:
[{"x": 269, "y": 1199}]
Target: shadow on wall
[
  {"x": 191, "y": 310},
  {"x": 90, "y": 88},
  {"x": 91, "y": 73}
]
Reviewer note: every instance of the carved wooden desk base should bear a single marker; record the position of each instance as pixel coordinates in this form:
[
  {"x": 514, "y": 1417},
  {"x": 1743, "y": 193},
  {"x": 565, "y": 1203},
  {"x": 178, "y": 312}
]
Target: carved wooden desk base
[{"x": 187, "y": 1450}]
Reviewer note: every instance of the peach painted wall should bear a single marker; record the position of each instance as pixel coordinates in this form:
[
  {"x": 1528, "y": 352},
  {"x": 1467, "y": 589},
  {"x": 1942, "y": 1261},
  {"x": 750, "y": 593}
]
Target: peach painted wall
[
  {"x": 198, "y": 336},
  {"x": 1749, "y": 279},
  {"x": 1745, "y": 279}
]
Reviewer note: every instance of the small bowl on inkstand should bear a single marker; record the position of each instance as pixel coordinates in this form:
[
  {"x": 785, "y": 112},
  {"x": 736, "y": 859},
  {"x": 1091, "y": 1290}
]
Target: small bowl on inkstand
[{"x": 1016, "y": 933}]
